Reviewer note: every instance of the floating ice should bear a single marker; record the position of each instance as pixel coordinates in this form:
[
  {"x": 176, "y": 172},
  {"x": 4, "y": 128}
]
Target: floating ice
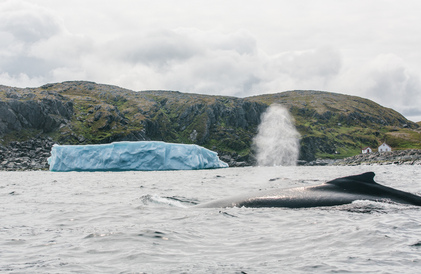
[{"x": 122, "y": 156}]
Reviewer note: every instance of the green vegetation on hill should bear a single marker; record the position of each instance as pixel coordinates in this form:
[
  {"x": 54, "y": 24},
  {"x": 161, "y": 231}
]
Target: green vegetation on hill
[
  {"x": 341, "y": 124},
  {"x": 331, "y": 125}
]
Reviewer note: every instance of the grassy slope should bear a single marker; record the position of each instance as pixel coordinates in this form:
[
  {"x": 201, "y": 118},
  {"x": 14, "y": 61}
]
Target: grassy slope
[{"x": 348, "y": 122}]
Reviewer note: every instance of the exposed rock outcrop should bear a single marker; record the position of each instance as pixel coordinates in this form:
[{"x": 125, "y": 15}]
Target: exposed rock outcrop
[
  {"x": 28, "y": 155},
  {"x": 44, "y": 114},
  {"x": 399, "y": 157}
]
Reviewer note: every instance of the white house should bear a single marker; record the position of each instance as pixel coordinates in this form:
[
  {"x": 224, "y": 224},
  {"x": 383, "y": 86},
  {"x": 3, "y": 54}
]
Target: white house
[
  {"x": 384, "y": 148},
  {"x": 366, "y": 150}
]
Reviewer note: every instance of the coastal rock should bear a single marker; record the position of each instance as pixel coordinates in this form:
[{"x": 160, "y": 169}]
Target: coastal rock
[
  {"x": 398, "y": 157},
  {"x": 28, "y": 155}
]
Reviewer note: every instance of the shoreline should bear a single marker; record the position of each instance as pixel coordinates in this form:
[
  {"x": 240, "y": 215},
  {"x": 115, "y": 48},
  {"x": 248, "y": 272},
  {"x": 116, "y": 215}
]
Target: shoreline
[
  {"x": 32, "y": 155},
  {"x": 397, "y": 157}
]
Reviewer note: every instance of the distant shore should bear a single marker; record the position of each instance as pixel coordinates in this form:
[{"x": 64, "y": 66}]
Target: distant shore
[
  {"x": 398, "y": 157},
  {"x": 33, "y": 154}
]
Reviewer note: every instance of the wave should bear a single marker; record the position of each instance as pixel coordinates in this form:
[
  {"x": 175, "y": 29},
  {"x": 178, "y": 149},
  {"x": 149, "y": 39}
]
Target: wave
[
  {"x": 174, "y": 201},
  {"x": 370, "y": 207}
]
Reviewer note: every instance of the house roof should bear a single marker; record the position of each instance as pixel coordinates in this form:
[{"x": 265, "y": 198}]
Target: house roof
[{"x": 384, "y": 144}]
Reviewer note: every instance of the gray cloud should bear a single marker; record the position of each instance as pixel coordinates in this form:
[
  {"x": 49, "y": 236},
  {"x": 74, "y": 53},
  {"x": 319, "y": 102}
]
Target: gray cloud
[
  {"x": 413, "y": 113},
  {"x": 23, "y": 25},
  {"x": 30, "y": 66},
  {"x": 158, "y": 48},
  {"x": 188, "y": 60},
  {"x": 394, "y": 84},
  {"x": 26, "y": 22}
]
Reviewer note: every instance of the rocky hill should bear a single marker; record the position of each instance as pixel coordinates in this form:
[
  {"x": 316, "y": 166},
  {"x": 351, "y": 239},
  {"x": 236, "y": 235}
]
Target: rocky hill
[
  {"x": 331, "y": 125},
  {"x": 336, "y": 126}
]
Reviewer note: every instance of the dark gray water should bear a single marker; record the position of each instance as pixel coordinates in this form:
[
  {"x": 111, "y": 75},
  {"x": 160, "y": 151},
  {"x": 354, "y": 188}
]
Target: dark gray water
[{"x": 141, "y": 222}]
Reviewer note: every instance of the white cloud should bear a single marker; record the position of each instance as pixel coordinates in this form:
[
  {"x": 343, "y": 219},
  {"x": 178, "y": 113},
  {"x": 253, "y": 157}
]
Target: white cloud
[
  {"x": 388, "y": 80},
  {"x": 322, "y": 62},
  {"x": 310, "y": 69},
  {"x": 64, "y": 48},
  {"x": 17, "y": 80}
]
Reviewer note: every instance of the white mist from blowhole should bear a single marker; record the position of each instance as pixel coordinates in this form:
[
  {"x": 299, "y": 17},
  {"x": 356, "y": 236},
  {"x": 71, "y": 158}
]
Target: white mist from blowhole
[{"x": 277, "y": 141}]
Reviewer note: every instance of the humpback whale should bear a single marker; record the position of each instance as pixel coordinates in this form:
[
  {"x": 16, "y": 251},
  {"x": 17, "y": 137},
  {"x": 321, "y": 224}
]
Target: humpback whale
[{"x": 336, "y": 192}]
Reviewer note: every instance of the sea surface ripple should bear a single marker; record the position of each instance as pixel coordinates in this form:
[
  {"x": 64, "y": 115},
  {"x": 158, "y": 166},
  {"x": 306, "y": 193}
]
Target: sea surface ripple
[{"x": 144, "y": 222}]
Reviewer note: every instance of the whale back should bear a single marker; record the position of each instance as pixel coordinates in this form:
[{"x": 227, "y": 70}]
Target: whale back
[
  {"x": 339, "y": 191},
  {"x": 367, "y": 178},
  {"x": 362, "y": 184},
  {"x": 365, "y": 185}
]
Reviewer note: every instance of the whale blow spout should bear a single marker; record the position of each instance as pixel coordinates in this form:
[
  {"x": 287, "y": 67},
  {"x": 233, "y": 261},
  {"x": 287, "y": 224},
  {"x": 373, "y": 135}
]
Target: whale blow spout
[{"x": 277, "y": 140}]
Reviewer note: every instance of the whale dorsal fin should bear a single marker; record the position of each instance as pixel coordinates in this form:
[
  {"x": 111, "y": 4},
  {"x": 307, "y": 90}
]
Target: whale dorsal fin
[{"x": 367, "y": 177}]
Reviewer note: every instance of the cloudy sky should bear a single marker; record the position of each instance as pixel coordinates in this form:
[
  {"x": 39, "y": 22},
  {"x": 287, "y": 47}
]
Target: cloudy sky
[{"x": 222, "y": 47}]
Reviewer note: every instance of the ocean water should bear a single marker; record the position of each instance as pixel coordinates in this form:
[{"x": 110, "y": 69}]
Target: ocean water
[{"x": 144, "y": 222}]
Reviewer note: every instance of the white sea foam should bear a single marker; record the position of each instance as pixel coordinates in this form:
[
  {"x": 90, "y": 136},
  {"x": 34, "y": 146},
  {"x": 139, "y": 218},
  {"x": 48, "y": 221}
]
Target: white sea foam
[{"x": 277, "y": 140}]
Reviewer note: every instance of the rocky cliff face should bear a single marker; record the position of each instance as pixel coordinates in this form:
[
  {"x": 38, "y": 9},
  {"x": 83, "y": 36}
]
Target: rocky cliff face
[
  {"x": 226, "y": 125},
  {"x": 331, "y": 125},
  {"x": 21, "y": 110}
]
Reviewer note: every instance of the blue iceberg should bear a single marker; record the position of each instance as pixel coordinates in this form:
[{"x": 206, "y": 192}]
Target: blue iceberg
[{"x": 123, "y": 156}]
